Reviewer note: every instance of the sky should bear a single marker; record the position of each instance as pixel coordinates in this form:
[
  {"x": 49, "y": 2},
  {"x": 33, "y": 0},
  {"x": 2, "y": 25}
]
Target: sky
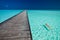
[{"x": 30, "y": 4}]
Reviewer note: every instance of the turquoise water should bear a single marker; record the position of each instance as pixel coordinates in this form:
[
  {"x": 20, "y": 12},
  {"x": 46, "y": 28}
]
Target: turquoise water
[
  {"x": 6, "y": 14},
  {"x": 38, "y": 20}
]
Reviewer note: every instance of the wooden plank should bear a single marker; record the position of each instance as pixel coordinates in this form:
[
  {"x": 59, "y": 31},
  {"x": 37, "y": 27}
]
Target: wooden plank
[{"x": 16, "y": 28}]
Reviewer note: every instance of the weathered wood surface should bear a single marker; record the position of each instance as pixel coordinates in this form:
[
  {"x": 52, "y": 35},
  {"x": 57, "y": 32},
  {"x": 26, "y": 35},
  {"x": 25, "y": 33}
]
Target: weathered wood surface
[{"x": 15, "y": 28}]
